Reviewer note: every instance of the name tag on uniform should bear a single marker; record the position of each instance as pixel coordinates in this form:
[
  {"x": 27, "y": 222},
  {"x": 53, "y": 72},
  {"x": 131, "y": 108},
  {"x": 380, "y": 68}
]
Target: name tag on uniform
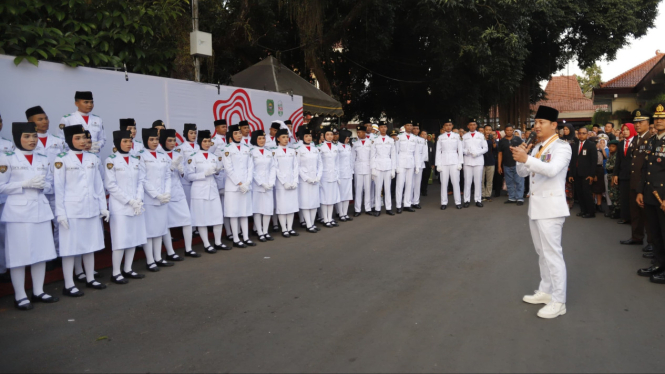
[{"x": 584, "y": 152}]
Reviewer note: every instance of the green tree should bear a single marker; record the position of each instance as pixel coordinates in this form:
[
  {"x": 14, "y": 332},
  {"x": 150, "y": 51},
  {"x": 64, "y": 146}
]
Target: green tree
[{"x": 591, "y": 78}]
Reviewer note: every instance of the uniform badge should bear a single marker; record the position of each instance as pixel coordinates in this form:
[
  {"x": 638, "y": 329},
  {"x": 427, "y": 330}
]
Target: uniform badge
[
  {"x": 212, "y": 143},
  {"x": 58, "y": 165},
  {"x": 273, "y": 153},
  {"x": 138, "y": 157},
  {"x": 226, "y": 154},
  {"x": 109, "y": 165},
  {"x": 115, "y": 149},
  {"x": 220, "y": 159},
  {"x": 3, "y": 168},
  {"x": 177, "y": 150},
  {"x": 62, "y": 126},
  {"x": 189, "y": 161},
  {"x": 584, "y": 152}
]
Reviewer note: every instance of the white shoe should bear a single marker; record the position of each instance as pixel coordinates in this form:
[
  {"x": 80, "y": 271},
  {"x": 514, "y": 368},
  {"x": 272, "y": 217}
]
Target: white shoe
[
  {"x": 538, "y": 298},
  {"x": 552, "y": 310}
]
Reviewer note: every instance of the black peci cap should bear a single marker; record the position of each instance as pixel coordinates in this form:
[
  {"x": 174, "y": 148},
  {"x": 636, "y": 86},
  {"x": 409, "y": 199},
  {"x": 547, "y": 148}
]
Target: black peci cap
[
  {"x": 83, "y": 95},
  {"x": 159, "y": 122},
  {"x": 34, "y": 111},
  {"x": 547, "y": 113},
  {"x": 220, "y": 122},
  {"x": 125, "y": 122}
]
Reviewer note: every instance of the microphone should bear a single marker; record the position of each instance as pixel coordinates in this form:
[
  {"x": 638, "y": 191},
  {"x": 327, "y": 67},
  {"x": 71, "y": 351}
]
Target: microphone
[{"x": 531, "y": 139}]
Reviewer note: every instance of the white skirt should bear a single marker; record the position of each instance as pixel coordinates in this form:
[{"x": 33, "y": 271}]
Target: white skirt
[
  {"x": 3, "y": 262},
  {"x": 28, "y": 243},
  {"x": 85, "y": 235},
  {"x": 179, "y": 215},
  {"x": 263, "y": 202},
  {"x": 238, "y": 204},
  {"x": 188, "y": 192},
  {"x": 345, "y": 190},
  {"x": 329, "y": 193},
  {"x": 206, "y": 212},
  {"x": 156, "y": 220},
  {"x": 287, "y": 200},
  {"x": 308, "y": 195},
  {"x": 127, "y": 231}
]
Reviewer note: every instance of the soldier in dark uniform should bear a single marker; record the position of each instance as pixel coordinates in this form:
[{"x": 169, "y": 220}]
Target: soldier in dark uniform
[
  {"x": 650, "y": 192},
  {"x": 582, "y": 171},
  {"x": 638, "y": 151}
]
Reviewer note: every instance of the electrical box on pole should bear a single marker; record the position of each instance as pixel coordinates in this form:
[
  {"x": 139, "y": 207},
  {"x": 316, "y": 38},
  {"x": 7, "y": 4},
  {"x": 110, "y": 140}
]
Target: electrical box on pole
[{"x": 200, "y": 44}]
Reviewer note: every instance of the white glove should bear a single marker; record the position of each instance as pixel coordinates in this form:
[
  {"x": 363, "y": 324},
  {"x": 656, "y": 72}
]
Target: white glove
[
  {"x": 459, "y": 167},
  {"x": 243, "y": 188},
  {"x": 164, "y": 198},
  {"x": 62, "y": 220},
  {"x": 95, "y": 147},
  {"x": 310, "y": 180},
  {"x": 417, "y": 171},
  {"x": 392, "y": 174},
  {"x": 294, "y": 186},
  {"x": 271, "y": 186},
  {"x": 375, "y": 173},
  {"x": 36, "y": 182},
  {"x": 177, "y": 162},
  {"x": 265, "y": 187},
  {"x": 210, "y": 172},
  {"x": 181, "y": 169},
  {"x": 105, "y": 214},
  {"x": 134, "y": 203},
  {"x": 374, "y": 176},
  {"x": 439, "y": 169},
  {"x": 317, "y": 180}
]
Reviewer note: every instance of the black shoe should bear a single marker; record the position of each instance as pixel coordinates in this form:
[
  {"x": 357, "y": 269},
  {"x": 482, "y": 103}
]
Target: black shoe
[
  {"x": 417, "y": 206},
  {"x": 115, "y": 279},
  {"x": 239, "y": 245},
  {"x": 520, "y": 203},
  {"x": 409, "y": 209},
  {"x": 164, "y": 264},
  {"x": 152, "y": 267},
  {"x": 648, "y": 255},
  {"x": 284, "y": 234},
  {"x": 312, "y": 230},
  {"x": 229, "y": 238},
  {"x": 399, "y": 210},
  {"x": 334, "y": 223},
  {"x": 192, "y": 254},
  {"x": 647, "y": 272},
  {"x": 26, "y": 306},
  {"x": 608, "y": 214},
  {"x": 424, "y": 193},
  {"x": 210, "y": 250},
  {"x": 657, "y": 278},
  {"x": 274, "y": 228},
  {"x": 623, "y": 222},
  {"x": 479, "y": 204},
  {"x": 316, "y": 228},
  {"x": 68, "y": 292},
  {"x": 580, "y": 214},
  {"x": 49, "y": 300},
  {"x": 592, "y": 215},
  {"x": 509, "y": 201},
  {"x": 614, "y": 216},
  {"x": 80, "y": 278},
  {"x": 132, "y": 275},
  {"x": 356, "y": 214},
  {"x": 262, "y": 239},
  {"x": 96, "y": 285},
  {"x": 458, "y": 206},
  {"x": 195, "y": 232},
  {"x": 371, "y": 213},
  {"x": 293, "y": 233},
  {"x": 303, "y": 224},
  {"x": 343, "y": 219},
  {"x": 443, "y": 207},
  {"x": 389, "y": 212},
  {"x": 250, "y": 243},
  {"x": 222, "y": 247},
  {"x": 631, "y": 241},
  {"x": 599, "y": 209},
  {"x": 174, "y": 257},
  {"x": 328, "y": 225},
  {"x": 269, "y": 238},
  {"x": 348, "y": 218},
  {"x": 648, "y": 248},
  {"x": 467, "y": 204}
]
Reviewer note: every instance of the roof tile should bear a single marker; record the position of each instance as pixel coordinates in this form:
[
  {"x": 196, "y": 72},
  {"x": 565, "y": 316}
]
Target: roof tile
[{"x": 633, "y": 76}]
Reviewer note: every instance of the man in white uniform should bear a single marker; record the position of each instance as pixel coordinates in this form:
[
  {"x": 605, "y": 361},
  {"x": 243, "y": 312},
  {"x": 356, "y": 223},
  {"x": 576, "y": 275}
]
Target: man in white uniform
[
  {"x": 271, "y": 139},
  {"x": 92, "y": 123},
  {"x": 219, "y": 137},
  {"x": 418, "y": 178},
  {"x": 246, "y": 134},
  {"x": 547, "y": 166},
  {"x": 383, "y": 161},
  {"x": 449, "y": 160},
  {"x": 408, "y": 156},
  {"x": 475, "y": 146},
  {"x": 362, "y": 149}
]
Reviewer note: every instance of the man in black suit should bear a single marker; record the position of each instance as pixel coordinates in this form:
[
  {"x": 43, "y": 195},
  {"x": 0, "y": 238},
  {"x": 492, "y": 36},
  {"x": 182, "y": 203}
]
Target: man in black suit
[
  {"x": 582, "y": 170},
  {"x": 427, "y": 172},
  {"x": 622, "y": 171}
]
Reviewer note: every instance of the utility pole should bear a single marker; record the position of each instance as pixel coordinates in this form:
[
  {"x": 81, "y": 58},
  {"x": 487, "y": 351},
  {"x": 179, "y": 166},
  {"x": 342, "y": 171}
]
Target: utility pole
[{"x": 195, "y": 26}]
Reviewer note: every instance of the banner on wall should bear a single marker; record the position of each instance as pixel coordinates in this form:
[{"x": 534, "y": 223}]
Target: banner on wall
[{"x": 142, "y": 97}]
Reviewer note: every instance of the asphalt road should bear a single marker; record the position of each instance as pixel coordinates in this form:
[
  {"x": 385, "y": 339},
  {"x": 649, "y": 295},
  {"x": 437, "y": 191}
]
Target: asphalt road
[{"x": 431, "y": 291}]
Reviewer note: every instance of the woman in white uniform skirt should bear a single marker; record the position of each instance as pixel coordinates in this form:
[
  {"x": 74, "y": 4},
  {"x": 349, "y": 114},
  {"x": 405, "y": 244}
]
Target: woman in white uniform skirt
[
  {"x": 311, "y": 170},
  {"x": 345, "y": 175},
  {"x": 265, "y": 171},
  {"x": 25, "y": 177},
  {"x": 124, "y": 180},
  {"x": 330, "y": 177},
  {"x": 239, "y": 170},
  {"x": 206, "y": 206},
  {"x": 186, "y": 149},
  {"x": 79, "y": 202},
  {"x": 157, "y": 187},
  {"x": 286, "y": 187},
  {"x": 178, "y": 209}
]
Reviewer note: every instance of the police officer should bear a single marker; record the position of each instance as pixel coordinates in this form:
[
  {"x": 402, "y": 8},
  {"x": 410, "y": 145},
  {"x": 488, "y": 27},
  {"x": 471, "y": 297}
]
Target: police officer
[
  {"x": 408, "y": 156},
  {"x": 650, "y": 194},
  {"x": 79, "y": 202},
  {"x": 362, "y": 150},
  {"x": 85, "y": 104},
  {"x": 547, "y": 166},
  {"x": 449, "y": 160},
  {"x": 383, "y": 162},
  {"x": 475, "y": 146}
]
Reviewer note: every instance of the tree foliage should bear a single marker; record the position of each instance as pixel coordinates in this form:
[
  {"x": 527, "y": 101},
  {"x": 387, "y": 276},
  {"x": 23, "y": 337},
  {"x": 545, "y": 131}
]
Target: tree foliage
[{"x": 591, "y": 78}]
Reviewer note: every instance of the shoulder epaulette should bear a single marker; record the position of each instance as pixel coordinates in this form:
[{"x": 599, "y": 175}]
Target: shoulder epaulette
[
  {"x": 136, "y": 157},
  {"x": 39, "y": 154},
  {"x": 66, "y": 115},
  {"x": 138, "y": 141},
  {"x": 192, "y": 154},
  {"x": 112, "y": 156},
  {"x": 318, "y": 145},
  {"x": 94, "y": 115},
  {"x": 9, "y": 153},
  {"x": 562, "y": 141},
  {"x": 55, "y": 136},
  {"x": 6, "y": 139},
  {"x": 228, "y": 145},
  {"x": 160, "y": 152},
  {"x": 141, "y": 151}
]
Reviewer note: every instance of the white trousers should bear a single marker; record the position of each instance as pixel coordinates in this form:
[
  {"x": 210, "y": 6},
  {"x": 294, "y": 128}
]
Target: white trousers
[
  {"x": 473, "y": 174},
  {"x": 383, "y": 179},
  {"x": 363, "y": 182},
  {"x": 417, "y": 181},
  {"x": 372, "y": 188},
  {"x": 450, "y": 173},
  {"x": 546, "y": 235},
  {"x": 56, "y": 225},
  {"x": 404, "y": 188}
]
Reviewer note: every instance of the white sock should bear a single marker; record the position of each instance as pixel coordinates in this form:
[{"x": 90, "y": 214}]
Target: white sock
[
  {"x": 157, "y": 247},
  {"x": 339, "y": 207},
  {"x": 68, "y": 270},
  {"x": 227, "y": 226},
  {"x": 149, "y": 255},
  {"x": 18, "y": 281},
  {"x": 301, "y": 216},
  {"x": 234, "y": 228},
  {"x": 88, "y": 260},
  {"x": 244, "y": 226},
  {"x": 266, "y": 224},
  {"x": 305, "y": 213},
  {"x": 117, "y": 261},
  {"x": 168, "y": 243},
  {"x": 289, "y": 221},
  {"x": 187, "y": 237},
  {"x": 345, "y": 208},
  {"x": 78, "y": 265},
  {"x": 203, "y": 233},
  {"x": 312, "y": 216},
  {"x": 129, "y": 259},
  {"x": 38, "y": 273},
  {"x": 258, "y": 223},
  {"x": 282, "y": 221},
  {"x": 217, "y": 233}
]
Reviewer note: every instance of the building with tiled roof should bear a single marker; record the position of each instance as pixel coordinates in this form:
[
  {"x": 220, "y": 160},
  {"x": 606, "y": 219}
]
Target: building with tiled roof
[{"x": 564, "y": 94}]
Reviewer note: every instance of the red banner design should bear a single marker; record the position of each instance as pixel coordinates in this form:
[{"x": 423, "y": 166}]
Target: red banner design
[{"x": 239, "y": 103}]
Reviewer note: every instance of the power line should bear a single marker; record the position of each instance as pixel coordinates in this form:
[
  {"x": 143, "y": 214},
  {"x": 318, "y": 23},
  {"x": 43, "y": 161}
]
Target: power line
[{"x": 381, "y": 75}]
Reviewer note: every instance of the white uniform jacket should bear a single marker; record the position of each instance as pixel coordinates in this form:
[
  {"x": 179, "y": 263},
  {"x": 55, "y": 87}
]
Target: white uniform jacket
[
  {"x": 54, "y": 146},
  {"x": 27, "y": 205},
  {"x": 474, "y": 143},
  {"x": 384, "y": 154},
  {"x": 186, "y": 149},
  {"x": 330, "y": 161},
  {"x": 362, "y": 150},
  {"x": 246, "y": 140},
  {"x": 449, "y": 150},
  {"x": 137, "y": 147},
  {"x": 345, "y": 161},
  {"x": 218, "y": 143},
  {"x": 238, "y": 166},
  {"x": 548, "y": 180},
  {"x": 157, "y": 175},
  {"x": 203, "y": 188},
  {"x": 177, "y": 192},
  {"x": 288, "y": 166},
  {"x": 94, "y": 125},
  {"x": 271, "y": 142},
  {"x": 124, "y": 181},
  {"x": 265, "y": 168},
  {"x": 79, "y": 190},
  {"x": 424, "y": 154},
  {"x": 408, "y": 151},
  {"x": 5, "y": 146},
  {"x": 310, "y": 163}
]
